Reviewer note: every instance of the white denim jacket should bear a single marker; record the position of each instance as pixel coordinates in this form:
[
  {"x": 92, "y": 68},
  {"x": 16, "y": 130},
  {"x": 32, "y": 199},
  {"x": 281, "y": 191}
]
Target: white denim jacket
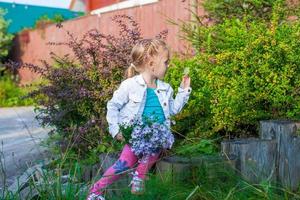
[{"x": 129, "y": 99}]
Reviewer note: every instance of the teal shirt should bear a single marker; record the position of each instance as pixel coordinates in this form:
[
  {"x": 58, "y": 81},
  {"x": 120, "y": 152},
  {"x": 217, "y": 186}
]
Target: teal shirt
[{"x": 153, "y": 109}]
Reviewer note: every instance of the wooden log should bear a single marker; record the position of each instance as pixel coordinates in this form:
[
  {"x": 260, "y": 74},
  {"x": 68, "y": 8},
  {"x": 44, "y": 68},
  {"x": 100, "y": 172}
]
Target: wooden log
[
  {"x": 258, "y": 160},
  {"x": 230, "y": 150},
  {"x": 178, "y": 168},
  {"x": 255, "y": 158},
  {"x": 274, "y": 129},
  {"x": 174, "y": 168},
  {"x": 288, "y": 149},
  {"x": 214, "y": 167}
]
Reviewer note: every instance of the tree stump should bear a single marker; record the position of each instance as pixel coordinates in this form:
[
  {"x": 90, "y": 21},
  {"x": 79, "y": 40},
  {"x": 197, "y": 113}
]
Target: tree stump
[
  {"x": 255, "y": 158},
  {"x": 230, "y": 150},
  {"x": 286, "y": 133},
  {"x": 179, "y": 168},
  {"x": 173, "y": 168}
]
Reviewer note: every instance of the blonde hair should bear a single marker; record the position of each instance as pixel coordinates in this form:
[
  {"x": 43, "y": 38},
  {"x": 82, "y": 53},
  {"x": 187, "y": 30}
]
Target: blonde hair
[{"x": 141, "y": 52}]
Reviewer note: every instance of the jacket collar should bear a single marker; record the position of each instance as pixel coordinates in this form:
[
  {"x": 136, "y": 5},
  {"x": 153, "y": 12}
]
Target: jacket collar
[{"x": 160, "y": 84}]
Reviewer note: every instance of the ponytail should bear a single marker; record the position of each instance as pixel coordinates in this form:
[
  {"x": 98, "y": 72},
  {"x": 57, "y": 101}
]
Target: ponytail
[{"x": 131, "y": 71}]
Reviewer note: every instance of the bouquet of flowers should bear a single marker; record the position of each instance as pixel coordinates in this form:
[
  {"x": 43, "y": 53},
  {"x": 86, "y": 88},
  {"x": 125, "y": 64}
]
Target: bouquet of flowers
[{"x": 147, "y": 137}]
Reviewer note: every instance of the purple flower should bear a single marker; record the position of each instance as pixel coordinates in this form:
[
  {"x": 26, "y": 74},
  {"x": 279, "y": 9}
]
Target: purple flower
[{"x": 147, "y": 138}]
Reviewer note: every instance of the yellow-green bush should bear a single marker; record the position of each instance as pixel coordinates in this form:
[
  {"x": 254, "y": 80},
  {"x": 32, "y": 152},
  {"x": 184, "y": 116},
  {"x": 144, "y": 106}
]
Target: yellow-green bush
[{"x": 243, "y": 71}]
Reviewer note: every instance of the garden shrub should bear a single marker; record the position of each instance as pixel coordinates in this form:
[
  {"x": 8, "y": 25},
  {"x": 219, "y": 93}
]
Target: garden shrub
[
  {"x": 6, "y": 39},
  {"x": 5, "y": 42},
  {"x": 244, "y": 71},
  {"x": 221, "y": 10},
  {"x": 11, "y": 94},
  {"x": 73, "y": 99},
  {"x": 57, "y": 18}
]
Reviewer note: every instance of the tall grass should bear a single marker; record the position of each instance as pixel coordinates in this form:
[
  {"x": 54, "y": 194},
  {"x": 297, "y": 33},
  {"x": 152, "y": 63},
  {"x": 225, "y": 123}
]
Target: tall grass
[
  {"x": 209, "y": 183},
  {"x": 63, "y": 179}
]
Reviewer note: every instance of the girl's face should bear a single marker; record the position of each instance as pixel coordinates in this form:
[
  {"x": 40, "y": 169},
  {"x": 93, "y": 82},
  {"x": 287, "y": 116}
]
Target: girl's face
[{"x": 160, "y": 63}]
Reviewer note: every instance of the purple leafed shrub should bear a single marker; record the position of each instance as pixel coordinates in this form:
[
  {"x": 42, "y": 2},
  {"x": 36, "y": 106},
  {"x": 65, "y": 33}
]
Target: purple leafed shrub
[{"x": 73, "y": 99}]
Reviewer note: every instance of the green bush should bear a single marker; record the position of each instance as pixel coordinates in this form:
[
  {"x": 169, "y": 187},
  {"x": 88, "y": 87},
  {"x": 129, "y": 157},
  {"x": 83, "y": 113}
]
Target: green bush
[
  {"x": 45, "y": 19},
  {"x": 221, "y": 10},
  {"x": 6, "y": 39},
  {"x": 243, "y": 71},
  {"x": 11, "y": 94}
]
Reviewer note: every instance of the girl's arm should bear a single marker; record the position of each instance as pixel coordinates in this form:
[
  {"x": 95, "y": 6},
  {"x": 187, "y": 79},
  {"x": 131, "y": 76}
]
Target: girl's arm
[
  {"x": 180, "y": 100},
  {"x": 182, "y": 96},
  {"x": 120, "y": 97}
]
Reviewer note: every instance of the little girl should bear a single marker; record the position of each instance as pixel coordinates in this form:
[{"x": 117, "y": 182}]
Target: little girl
[{"x": 146, "y": 95}]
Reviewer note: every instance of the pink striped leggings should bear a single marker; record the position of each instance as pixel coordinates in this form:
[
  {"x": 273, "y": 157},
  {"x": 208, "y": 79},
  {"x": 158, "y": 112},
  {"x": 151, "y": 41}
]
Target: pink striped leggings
[{"x": 126, "y": 161}]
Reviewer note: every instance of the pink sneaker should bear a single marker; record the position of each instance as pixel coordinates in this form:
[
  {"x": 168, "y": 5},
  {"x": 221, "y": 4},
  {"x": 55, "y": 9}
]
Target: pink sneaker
[
  {"x": 137, "y": 185},
  {"x": 93, "y": 196}
]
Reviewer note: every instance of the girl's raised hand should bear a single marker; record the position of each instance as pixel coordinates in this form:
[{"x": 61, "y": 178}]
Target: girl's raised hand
[{"x": 186, "y": 81}]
